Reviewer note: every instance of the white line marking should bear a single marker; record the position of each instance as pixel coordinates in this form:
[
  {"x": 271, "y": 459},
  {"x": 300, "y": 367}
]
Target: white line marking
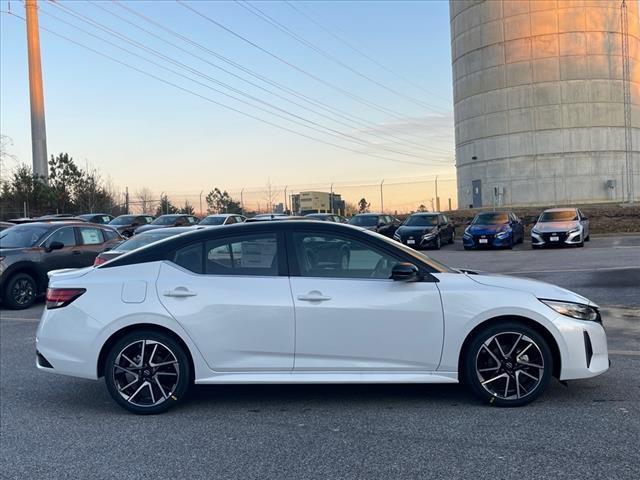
[
  {"x": 596, "y": 269},
  {"x": 633, "y": 353},
  {"x": 18, "y": 319}
]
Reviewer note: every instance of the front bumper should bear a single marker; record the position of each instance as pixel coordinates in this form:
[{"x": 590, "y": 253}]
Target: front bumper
[
  {"x": 417, "y": 241},
  {"x": 486, "y": 241},
  {"x": 550, "y": 239},
  {"x": 586, "y": 354}
]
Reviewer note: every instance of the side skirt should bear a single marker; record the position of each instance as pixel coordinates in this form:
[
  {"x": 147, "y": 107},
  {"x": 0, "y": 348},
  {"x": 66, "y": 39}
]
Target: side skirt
[{"x": 329, "y": 377}]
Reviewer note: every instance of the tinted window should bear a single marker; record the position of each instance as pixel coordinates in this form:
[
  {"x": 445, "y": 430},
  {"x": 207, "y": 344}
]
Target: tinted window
[
  {"x": 91, "y": 236},
  {"x": 66, "y": 236},
  {"x": 190, "y": 257},
  {"x": 212, "y": 221},
  {"x": 364, "y": 220},
  {"x": 230, "y": 220},
  {"x": 22, "y": 236},
  {"x": 421, "y": 221},
  {"x": 123, "y": 220},
  {"x": 110, "y": 234},
  {"x": 491, "y": 219},
  {"x": 166, "y": 220},
  {"x": 562, "y": 216},
  {"x": 328, "y": 255},
  {"x": 248, "y": 255}
]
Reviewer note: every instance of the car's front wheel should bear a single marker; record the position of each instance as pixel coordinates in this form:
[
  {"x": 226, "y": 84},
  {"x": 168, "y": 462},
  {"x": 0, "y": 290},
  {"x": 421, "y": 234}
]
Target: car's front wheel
[
  {"x": 20, "y": 292},
  {"x": 147, "y": 372},
  {"x": 507, "y": 364}
]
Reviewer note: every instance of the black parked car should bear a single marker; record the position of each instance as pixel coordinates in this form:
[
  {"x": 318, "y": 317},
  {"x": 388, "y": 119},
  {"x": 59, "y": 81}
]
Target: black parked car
[
  {"x": 166, "y": 221},
  {"x": 426, "y": 230},
  {"x": 101, "y": 218},
  {"x": 126, "y": 224},
  {"x": 376, "y": 222},
  {"x": 29, "y": 251}
]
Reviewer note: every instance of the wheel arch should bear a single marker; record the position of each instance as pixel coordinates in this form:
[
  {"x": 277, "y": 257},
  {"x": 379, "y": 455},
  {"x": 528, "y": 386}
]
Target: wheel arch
[
  {"x": 539, "y": 328},
  {"x": 30, "y": 268},
  {"x": 117, "y": 335}
]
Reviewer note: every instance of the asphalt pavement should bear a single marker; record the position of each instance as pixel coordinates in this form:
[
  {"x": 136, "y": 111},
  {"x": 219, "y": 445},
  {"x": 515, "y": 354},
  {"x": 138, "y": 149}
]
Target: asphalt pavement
[{"x": 58, "y": 427}]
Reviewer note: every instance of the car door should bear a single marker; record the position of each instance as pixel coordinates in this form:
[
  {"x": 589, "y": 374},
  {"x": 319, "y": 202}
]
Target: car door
[
  {"x": 69, "y": 256},
  {"x": 350, "y": 316},
  {"x": 232, "y": 296}
]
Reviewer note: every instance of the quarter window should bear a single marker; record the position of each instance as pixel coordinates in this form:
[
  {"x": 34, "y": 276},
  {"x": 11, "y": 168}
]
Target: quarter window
[
  {"x": 248, "y": 255},
  {"x": 190, "y": 257},
  {"x": 334, "y": 256}
]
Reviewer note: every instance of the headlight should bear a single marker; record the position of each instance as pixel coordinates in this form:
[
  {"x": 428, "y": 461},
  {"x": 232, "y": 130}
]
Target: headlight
[
  {"x": 396, "y": 236},
  {"x": 533, "y": 230},
  {"x": 573, "y": 310},
  {"x": 430, "y": 234},
  {"x": 575, "y": 230},
  {"x": 1, "y": 258},
  {"x": 504, "y": 234}
]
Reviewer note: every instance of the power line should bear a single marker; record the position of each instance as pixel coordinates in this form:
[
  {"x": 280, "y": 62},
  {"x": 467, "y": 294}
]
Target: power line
[
  {"x": 342, "y": 40},
  {"x": 358, "y": 98},
  {"x": 283, "y": 28},
  {"x": 363, "y": 123},
  {"x": 210, "y": 100},
  {"x": 308, "y": 123}
]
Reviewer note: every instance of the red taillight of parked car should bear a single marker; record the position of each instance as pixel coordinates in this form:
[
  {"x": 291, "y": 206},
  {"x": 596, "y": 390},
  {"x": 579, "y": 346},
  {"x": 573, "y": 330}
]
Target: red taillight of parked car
[
  {"x": 61, "y": 297},
  {"x": 99, "y": 261}
]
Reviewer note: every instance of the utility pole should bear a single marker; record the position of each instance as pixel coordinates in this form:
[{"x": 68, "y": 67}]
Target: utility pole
[
  {"x": 437, "y": 198},
  {"x": 126, "y": 200},
  {"x": 285, "y": 198},
  {"x": 241, "y": 202},
  {"x": 381, "y": 197},
  {"x": 331, "y": 199},
  {"x": 201, "y": 192},
  {"x": 36, "y": 95}
]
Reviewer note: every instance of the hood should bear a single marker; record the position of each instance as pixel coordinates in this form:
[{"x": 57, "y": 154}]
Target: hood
[
  {"x": 146, "y": 228},
  {"x": 408, "y": 230},
  {"x": 486, "y": 229},
  {"x": 534, "y": 287},
  {"x": 556, "y": 226}
]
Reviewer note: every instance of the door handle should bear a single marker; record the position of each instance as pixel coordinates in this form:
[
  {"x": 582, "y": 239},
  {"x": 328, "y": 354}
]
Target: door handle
[
  {"x": 313, "y": 296},
  {"x": 179, "y": 292}
]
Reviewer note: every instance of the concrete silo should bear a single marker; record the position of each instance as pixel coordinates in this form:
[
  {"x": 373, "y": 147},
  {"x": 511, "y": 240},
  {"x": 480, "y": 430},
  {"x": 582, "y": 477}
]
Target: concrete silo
[{"x": 539, "y": 101}]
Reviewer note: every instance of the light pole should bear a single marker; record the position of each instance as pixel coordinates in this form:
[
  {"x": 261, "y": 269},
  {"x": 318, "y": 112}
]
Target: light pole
[
  {"x": 201, "y": 192},
  {"x": 285, "y": 198},
  {"x": 331, "y": 198},
  {"x": 161, "y": 197},
  {"x": 381, "y": 197},
  {"x": 241, "y": 202},
  {"x": 437, "y": 198}
]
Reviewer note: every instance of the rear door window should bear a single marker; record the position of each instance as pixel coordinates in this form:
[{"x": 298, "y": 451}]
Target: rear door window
[
  {"x": 91, "y": 236},
  {"x": 246, "y": 255},
  {"x": 189, "y": 257}
]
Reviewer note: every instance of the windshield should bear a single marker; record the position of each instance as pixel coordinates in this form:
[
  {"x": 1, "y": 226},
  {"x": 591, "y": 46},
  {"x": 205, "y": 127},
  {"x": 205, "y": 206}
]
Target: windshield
[
  {"x": 165, "y": 220},
  {"x": 22, "y": 236},
  {"x": 491, "y": 219},
  {"x": 364, "y": 220},
  {"x": 212, "y": 221},
  {"x": 561, "y": 216},
  {"x": 123, "y": 220},
  {"x": 422, "y": 221},
  {"x": 143, "y": 239}
]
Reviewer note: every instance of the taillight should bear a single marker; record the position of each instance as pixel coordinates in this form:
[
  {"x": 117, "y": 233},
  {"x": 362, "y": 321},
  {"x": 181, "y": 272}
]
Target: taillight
[
  {"x": 99, "y": 261},
  {"x": 61, "y": 297}
]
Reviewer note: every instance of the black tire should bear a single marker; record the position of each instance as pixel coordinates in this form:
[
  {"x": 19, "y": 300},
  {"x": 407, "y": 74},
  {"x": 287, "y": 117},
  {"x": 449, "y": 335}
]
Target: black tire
[
  {"x": 467, "y": 248},
  {"x": 588, "y": 238},
  {"x": 453, "y": 237},
  {"x": 438, "y": 244},
  {"x": 144, "y": 373},
  {"x": 21, "y": 291},
  {"x": 537, "y": 355},
  {"x": 581, "y": 244}
]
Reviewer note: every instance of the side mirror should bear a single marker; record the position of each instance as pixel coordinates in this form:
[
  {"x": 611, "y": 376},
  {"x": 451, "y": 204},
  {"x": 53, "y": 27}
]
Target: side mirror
[
  {"x": 54, "y": 246},
  {"x": 405, "y": 272}
]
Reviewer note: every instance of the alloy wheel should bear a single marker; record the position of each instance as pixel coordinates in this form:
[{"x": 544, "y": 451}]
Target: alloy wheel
[
  {"x": 510, "y": 365},
  {"x": 23, "y": 292},
  {"x": 146, "y": 373}
]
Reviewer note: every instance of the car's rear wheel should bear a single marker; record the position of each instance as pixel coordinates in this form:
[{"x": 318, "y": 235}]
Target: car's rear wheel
[
  {"x": 147, "y": 372},
  {"x": 21, "y": 291},
  {"x": 507, "y": 364},
  {"x": 453, "y": 237}
]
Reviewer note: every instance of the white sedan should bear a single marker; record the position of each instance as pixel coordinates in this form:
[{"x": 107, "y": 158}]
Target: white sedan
[{"x": 309, "y": 302}]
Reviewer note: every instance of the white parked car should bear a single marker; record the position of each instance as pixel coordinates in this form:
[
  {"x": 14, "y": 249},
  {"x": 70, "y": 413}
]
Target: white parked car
[
  {"x": 309, "y": 302},
  {"x": 560, "y": 227}
]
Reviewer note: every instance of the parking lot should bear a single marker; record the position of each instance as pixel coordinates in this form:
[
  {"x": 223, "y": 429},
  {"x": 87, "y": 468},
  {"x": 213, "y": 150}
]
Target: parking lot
[{"x": 589, "y": 429}]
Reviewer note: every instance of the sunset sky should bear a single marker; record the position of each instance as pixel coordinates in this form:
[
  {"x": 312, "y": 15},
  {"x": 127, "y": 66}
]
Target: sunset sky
[{"x": 391, "y": 98}]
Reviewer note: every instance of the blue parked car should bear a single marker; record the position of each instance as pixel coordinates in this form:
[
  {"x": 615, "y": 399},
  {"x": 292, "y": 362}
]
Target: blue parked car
[{"x": 493, "y": 230}]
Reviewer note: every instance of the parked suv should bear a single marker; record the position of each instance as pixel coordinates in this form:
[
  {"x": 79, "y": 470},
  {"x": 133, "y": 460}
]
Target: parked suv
[
  {"x": 376, "y": 222},
  {"x": 29, "y": 251},
  {"x": 102, "y": 218},
  {"x": 424, "y": 230},
  {"x": 560, "y": 227},
  {"x": 126, "y": 224}
]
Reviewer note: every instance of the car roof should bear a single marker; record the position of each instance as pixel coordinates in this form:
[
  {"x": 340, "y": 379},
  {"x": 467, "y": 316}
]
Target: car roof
[
  {"x": 53, "y": 223},
  {"x": 169, "y": 230},
  {"x": 223, "y": 215},
  {"x": 426, "y": 214},
  {"x": 369, "y": 213}
]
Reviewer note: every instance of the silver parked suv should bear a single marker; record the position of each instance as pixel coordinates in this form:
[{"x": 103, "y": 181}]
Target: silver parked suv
[{"x": 560, "y": 227}]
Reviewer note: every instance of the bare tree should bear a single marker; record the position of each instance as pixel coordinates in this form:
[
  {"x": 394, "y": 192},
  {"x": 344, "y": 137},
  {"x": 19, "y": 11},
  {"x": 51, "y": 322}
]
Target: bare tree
[
  {"x": 145, "y": 199},
  {"x": 270, "y": 195}
]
